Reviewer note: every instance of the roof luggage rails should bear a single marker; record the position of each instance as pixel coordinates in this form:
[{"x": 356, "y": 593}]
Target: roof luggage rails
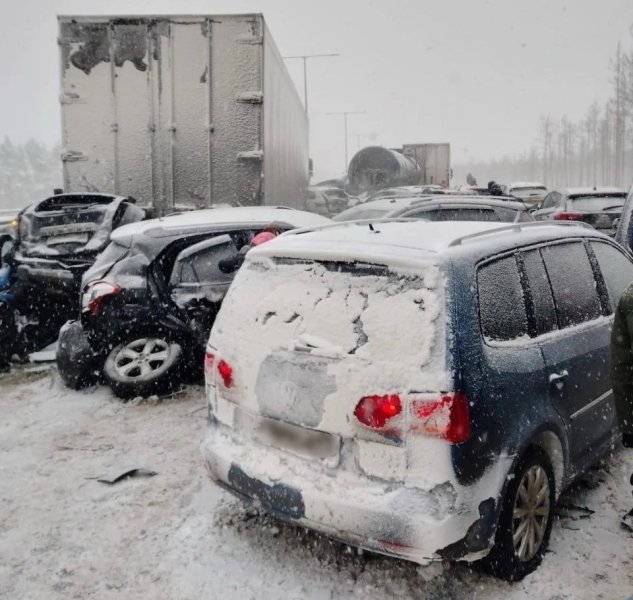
[{"x": 518, "y": 227}]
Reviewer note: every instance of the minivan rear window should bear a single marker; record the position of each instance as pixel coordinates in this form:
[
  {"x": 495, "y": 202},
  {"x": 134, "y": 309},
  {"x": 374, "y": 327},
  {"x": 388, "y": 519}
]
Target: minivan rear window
[
  {"x": 345, "y": 310},
  {"x": 501, "y": 304}
]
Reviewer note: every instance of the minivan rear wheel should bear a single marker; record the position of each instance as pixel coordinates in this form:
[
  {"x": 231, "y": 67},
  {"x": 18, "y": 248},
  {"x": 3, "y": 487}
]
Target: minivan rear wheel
[
  {"x": 525, "y": 521},
  {"x": 144, "y": 366}
]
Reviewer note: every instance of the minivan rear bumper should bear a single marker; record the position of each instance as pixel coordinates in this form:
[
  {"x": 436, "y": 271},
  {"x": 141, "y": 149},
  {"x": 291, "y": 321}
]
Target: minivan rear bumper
[{"x": 389, "y": 518}]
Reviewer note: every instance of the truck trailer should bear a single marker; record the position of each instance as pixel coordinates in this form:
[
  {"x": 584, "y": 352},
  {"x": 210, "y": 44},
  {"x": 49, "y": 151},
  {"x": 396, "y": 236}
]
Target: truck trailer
[
  {"x": 180, "y": 112},
  {"x": 434, "y": 161}
]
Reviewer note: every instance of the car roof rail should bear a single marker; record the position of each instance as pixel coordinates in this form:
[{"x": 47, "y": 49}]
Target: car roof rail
[{"x": 518, "y": 227}]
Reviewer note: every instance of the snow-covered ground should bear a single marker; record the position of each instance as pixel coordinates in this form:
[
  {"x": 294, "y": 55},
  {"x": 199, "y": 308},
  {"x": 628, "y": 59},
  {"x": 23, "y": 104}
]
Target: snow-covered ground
[{"x": 176, "y": 536}]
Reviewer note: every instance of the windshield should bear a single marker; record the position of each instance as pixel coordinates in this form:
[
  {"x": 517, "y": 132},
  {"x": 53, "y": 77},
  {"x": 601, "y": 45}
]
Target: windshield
[{"x": 595, "y": 203}]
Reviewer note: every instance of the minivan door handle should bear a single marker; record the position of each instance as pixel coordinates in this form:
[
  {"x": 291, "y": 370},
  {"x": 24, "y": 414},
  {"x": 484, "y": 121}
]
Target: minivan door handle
[{"x": 558, "y": 379}]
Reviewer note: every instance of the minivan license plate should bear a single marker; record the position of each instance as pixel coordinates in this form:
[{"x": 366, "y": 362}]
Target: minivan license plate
[{"x": 307, "y": 442}]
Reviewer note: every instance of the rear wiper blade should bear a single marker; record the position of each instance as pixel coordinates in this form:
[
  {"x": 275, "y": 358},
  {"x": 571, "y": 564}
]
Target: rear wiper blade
[{"x": 614, "y": 206}]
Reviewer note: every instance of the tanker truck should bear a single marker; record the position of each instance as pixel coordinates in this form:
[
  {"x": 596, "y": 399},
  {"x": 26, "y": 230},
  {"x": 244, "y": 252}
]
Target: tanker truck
[
  {"x": 376, "y": 167},
  {"x": 180, "y": 112}
]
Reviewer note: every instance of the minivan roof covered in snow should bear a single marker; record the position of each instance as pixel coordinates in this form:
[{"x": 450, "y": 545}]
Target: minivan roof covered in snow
[{"x": 403, "y": 241}]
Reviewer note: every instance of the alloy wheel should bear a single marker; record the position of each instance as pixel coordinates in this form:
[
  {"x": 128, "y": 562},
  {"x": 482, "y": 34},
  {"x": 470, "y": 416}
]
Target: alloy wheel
[
  {"x": 141, "y": 357},
  {"x": 531, "y": 512}
]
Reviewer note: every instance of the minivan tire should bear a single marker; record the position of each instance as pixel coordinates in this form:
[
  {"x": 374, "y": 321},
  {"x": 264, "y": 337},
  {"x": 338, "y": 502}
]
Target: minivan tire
[
  {"x": 143, "y": 366},
  {"x": 527, "y": 506}
]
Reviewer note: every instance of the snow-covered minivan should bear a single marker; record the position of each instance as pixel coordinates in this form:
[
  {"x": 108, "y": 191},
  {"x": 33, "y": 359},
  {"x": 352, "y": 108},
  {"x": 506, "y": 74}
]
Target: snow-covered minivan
[{"x": 424, "y": 390}]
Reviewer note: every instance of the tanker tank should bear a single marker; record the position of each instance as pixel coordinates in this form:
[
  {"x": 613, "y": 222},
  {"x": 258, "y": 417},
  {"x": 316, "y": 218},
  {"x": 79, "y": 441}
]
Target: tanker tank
[{"x": 375, "y": 167}]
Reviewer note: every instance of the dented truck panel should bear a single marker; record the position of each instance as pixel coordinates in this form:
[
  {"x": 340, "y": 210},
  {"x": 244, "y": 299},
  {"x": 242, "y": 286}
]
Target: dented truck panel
[{"x": 180, "y": 112}]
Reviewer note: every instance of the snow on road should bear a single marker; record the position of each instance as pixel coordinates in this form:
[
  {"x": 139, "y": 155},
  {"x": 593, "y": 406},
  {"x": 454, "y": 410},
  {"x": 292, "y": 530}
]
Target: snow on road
[{"x": 176, "y": 536}]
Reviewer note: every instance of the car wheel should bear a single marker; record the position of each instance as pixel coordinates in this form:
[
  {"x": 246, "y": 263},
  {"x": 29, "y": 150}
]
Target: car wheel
[
  {"x": 144, "y": 366},
  {"x": 525, "y": 521},
  {"x": 77, "y": 364}
]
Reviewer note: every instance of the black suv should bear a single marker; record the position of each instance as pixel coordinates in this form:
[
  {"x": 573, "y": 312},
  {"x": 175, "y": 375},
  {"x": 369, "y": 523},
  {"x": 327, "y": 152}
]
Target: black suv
[{"x": 150, "y": 299}]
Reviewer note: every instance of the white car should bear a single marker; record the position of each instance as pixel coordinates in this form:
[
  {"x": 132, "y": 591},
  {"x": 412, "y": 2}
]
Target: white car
[
  {"x": 326, "y": 201},
  {"x": 531, "y": 193}
]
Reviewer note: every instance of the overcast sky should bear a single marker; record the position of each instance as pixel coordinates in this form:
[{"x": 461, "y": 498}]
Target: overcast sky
[{"x": 475, "y": 73}]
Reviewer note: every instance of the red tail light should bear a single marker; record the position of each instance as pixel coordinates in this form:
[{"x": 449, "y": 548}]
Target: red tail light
[
  {"x": 226, "y": 373},
  {"x": 209, "y": 362},
  {"x": 447, "y": 417},
  {"x": 375, "y": 411},
  {"x": 568, "y": 216},
  {"x": 95, "y": 293}
]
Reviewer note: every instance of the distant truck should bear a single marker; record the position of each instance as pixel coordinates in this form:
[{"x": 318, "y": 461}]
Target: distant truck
[
  {"x": 376, "y": 167},
  {"x": 434, "y": 161},
  {"x": 180, "y": 112}
]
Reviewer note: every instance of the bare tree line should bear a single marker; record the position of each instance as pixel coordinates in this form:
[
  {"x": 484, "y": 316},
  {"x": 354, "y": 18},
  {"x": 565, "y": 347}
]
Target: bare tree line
[
  {"x": 596, "y": 150},
  {"x": 28, "y": 172}
]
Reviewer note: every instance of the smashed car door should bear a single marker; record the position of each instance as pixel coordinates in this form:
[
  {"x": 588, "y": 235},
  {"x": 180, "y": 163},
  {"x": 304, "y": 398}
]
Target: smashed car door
[{"x": 198, "y": 285}]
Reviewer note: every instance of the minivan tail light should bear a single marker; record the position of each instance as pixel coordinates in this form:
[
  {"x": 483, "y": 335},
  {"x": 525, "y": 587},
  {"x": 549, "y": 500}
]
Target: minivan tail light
[
  {"x": 95, "y": 293},
  {"x": 209, "y": 363},
  {"x": 447, "y": 417},
  {"x": 226, "y": 373},
  {"x": 375, "y": 411},
  {"x": 568, "y": 216}
]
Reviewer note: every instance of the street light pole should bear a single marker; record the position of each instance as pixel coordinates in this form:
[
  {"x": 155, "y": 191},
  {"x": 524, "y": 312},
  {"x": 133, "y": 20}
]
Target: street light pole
[
  {"x": 305, "y": 58},
  {"x": 345, "y": 113}
]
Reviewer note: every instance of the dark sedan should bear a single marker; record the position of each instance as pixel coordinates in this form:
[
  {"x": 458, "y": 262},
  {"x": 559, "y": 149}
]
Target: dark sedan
[{"x": 599, "y": 207}]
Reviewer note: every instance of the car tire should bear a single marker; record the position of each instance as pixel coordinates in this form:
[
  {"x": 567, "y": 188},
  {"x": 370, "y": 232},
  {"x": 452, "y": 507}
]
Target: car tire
[
  {"x": 77, "y": 364},
  {"x": 526, "y": 517},
  {"x": 143, "y": 366}
]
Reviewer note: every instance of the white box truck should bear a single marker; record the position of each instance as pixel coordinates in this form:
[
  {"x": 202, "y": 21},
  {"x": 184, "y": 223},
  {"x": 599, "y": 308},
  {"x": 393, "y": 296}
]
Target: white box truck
[
  {"x": 434, "y": 161},
  {"x": 180, "y": 111}
]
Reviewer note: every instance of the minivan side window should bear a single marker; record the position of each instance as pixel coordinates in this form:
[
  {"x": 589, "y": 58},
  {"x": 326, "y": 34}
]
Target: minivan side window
[
  {"x": 501, "y": 304},
  {"x": 540, "y": 301},
  {"x": 616, "y": 268},
  {"x": 573, "y": 283}
]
